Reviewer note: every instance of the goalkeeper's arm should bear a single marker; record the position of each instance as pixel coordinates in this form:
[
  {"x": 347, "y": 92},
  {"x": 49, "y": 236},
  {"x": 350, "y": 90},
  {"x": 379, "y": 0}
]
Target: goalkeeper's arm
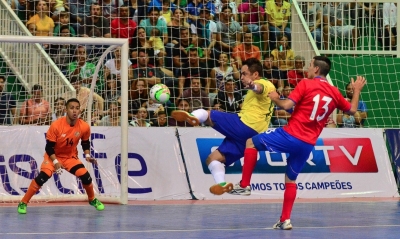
[{"x": 50, "y": 149}]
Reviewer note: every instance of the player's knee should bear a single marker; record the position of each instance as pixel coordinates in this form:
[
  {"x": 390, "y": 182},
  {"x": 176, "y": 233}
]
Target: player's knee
[
  {"x": 86, "y": 179},
  {"x": 290, "y": 176},
  {"x": 42, "y": 178},
  {"x": 249, "y": 143}
]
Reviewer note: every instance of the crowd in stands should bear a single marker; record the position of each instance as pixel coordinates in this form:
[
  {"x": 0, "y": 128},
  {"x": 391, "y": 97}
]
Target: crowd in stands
[{"x": 195, "y": 47}]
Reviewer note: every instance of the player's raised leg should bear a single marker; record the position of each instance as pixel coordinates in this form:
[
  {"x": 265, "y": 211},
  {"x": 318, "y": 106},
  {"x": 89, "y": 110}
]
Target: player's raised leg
[
  {"x": 195, "y": 118},
  {"x": 217, "y": 168}
]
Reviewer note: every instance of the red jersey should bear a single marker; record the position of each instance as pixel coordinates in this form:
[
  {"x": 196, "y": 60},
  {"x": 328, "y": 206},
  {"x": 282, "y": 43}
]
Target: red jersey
[
  {"x": 123, "y": 31},
  {"x": 315, "y": 101},
  {"x": 67, "y": 137},
  {"x": 294, "y": 77}
]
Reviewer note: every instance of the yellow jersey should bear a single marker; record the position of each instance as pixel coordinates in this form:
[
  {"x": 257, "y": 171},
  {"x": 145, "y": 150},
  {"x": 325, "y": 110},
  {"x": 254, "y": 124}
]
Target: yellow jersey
[{"x": 257, "y": 109}]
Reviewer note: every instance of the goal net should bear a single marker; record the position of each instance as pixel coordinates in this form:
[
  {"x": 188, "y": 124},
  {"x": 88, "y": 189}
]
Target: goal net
[{"x": 36, "y": 96}]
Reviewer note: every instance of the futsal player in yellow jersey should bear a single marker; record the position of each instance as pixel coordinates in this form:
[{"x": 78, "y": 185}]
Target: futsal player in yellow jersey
[
  {"x": 253, "y": 118},
  {"x": 62, "y": 138}
]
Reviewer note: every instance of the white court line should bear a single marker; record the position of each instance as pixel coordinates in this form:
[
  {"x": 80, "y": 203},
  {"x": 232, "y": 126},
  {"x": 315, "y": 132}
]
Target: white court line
[{"x": 190, "y": 230}]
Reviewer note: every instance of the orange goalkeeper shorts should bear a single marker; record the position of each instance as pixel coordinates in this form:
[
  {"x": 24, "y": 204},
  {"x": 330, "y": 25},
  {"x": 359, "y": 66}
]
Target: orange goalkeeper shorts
[{"x": 48, "y": 166}]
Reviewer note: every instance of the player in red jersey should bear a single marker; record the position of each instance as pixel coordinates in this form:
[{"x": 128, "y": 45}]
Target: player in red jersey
[
  {"x": 61, "y": 153},
  {"x": 315, "y": 100}
]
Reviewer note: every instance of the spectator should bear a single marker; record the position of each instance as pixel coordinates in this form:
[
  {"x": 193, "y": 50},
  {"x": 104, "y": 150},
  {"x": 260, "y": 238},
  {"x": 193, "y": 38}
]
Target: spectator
[
  {"x": 219, "y": 4},
  {"x": 141, "y": 119},
  {"x": 161, "y": 120},
  {"x": 246, "y": 50},
  {"x": 194, "y": 8},
  {"x": 175, "y": 25},
  {"x": 253, "y": 20},
  {"x": 8, "y": 105},
  {"x": 346, "y": 120},
  {"x": 228, "y": 31},
  {"x": 32, "y": 28},
  {"x": 134, "y": 9},
  {"x": 138, "y": 96},
  {"x": 298, "y": 73},
  {"x": 122, "y": 26},
  {"x": 152, "y": 75},
  {"x": 153, "y": 21},
  {"x": 63, "y": 54},
  {"x": 390, "y": 25},
  {"x": 229, "y": 100},
  {"x": 166, "y": 11},
  {"x": 271, "y": 73},
  {"x": 64, "y": 21},
  {"x": 182, "y": 104},
  {"x": 281, "y": 116},
  {"x": 335, "y": 23},
  {"x": 180, "y": 51},
  {"x": 112, "y": 91},
  {"x": 95, "y": 23},
  {"x": 79, "y": 9},
  {"x": 312, "y": 13},
  {"x": 113, "y": 66},
  {"x": 278, "y": 12},
  {"x": 283, "y": 57},
  {"x": 59, "y": 108},
  {"x": 113, "y": 117},
  {"x": 157, "y": 45},
  {"x": 195, "y": 93},
  {"x": 44, "y": 24},
  {"x": 366, "y": 13},
  {"x": 141, "y": 42},
  {"x": 110, "y": 8},
  {"x": 36, "y": 110},
  {"x": 23, "y": 9},
  {"x": 362, "y": 107},
  {"x": 224, "y": 72},
  {"x": 82, "y": 94},
  {"x": 193, "y": 69},
  {"x": 206, "y": 30},
  {"x": 80, "y": 67}
]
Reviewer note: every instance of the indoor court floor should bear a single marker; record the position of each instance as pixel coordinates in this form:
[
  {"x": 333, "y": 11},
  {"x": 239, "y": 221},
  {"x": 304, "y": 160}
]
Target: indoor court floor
[{"x": 322, "y": 218}]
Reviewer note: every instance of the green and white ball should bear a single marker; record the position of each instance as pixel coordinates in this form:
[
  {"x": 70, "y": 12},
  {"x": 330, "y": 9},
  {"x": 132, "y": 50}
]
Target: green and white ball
[{"x": 159, "y": 93}]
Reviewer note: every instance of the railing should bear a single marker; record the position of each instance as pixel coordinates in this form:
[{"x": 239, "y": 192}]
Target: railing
[
  {"x": 367, "y": 38},
  {"x": 29, "y": 62}
]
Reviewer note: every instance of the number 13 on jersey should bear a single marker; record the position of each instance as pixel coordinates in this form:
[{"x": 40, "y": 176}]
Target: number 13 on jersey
[{"x": 316, "y": 100}]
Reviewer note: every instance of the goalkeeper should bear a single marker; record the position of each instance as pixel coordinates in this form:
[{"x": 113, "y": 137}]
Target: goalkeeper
[{"x": 61, "y": 153}]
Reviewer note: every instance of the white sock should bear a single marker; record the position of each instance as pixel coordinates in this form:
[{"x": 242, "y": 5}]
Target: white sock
[
  {"x": 217, "y": 170},
  {"x": 201, "y": 115}
]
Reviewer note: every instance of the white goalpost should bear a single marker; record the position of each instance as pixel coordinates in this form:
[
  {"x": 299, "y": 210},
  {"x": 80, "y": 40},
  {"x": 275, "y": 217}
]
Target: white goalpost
[{"x": 56, "y": 86}]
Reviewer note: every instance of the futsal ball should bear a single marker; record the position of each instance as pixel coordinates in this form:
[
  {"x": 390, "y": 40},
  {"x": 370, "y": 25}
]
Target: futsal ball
[{"x": 159, "y": 93}]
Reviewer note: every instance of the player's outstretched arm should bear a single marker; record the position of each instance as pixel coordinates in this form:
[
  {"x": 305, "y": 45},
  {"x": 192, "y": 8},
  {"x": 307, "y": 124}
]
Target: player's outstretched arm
[
  {"x": 357, "y": 87},
  {"x": 285, "y": 104}
]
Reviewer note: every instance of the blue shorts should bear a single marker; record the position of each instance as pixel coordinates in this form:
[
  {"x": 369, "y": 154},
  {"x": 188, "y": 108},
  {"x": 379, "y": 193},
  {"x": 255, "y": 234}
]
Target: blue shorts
[
  {"x": 277, "y": 140},
  {"x": 236, "y": 134}
]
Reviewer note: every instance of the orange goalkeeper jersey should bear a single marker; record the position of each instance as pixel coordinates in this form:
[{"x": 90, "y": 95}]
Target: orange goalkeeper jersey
[{"x": 67, "y": 137}]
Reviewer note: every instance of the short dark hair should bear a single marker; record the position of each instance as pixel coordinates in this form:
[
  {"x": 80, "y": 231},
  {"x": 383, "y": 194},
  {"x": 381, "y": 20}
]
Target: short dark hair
[
  {"x": 73, "y": 100},
  {"x": 226, "y": 7},
  {"x": 323, "y": 63},
  {"x": 37, "y": 87},
  {"x": 153, "y": 9},
  {"x": 142, "y": 50},
  {"x": 268, "y": 55},
  {"x": 162, "y": 112},
  {"x": 193, "y": 49},
  {"x": 58, "y": 99},
  {"x": 254, "y": 65}
]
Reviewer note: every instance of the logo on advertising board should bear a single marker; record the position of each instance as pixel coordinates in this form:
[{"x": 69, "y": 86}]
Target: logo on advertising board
[{"x": 330, "y": 155}]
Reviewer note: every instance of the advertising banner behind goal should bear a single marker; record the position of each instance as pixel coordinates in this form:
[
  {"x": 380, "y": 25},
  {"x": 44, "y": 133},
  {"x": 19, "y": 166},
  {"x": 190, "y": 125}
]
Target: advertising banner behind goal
[
  {"x": 155, "y": 169},
  {"x": 344, "y": 163}
]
